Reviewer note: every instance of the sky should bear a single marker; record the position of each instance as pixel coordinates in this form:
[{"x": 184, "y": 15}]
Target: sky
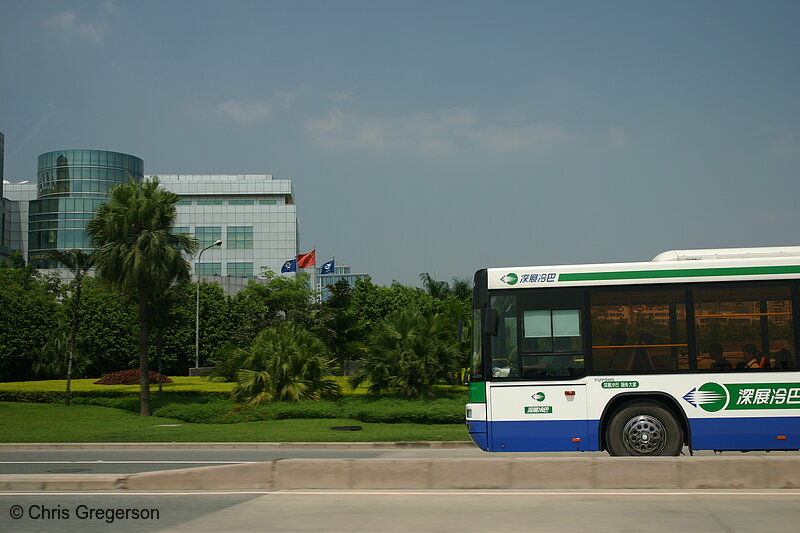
[{"x": 439, "y": 137}]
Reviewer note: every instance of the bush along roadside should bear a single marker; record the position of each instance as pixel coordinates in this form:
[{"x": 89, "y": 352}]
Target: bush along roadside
[
  {"x": 39, "y": 396},
  {"x": 206, "y": 410}
]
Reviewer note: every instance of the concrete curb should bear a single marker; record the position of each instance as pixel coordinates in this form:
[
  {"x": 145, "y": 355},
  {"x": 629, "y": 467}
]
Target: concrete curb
[
  {"x": 489, "y": 473},
  {"x": 232, "y": 445}
]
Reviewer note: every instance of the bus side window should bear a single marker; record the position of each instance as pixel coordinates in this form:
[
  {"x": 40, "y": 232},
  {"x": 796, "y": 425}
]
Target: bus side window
[{"x": 552, "y": 343}]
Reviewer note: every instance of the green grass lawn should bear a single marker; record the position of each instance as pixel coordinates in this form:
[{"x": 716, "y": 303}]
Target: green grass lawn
[
  {"x": 181, "y": 384},
  {"x": 32, "y": 422}
]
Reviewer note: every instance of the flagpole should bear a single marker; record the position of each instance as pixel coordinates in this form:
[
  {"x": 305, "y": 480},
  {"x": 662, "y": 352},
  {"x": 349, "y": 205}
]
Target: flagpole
[{"x": 314, "y": 276}]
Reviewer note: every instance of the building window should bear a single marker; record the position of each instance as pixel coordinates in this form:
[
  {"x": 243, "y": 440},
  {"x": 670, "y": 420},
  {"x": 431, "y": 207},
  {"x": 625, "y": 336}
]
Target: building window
[
  {"x": 177, "y": 230},
  {"x": 183, "y": 202},
  {"x": 240, "y": 202},
  {"x": 240, "y": 237},
  {"x": 268, "y": 202},
  {"x": 240, "y": 270},
  {"x": 209, "y": 269},
  {"x": 209, "y": 202},
  {"x": 207, "y": 235}
]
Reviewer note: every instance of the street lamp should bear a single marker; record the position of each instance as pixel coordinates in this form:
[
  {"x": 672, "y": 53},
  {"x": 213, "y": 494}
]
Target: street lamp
[{"x": 197, "y": 308}]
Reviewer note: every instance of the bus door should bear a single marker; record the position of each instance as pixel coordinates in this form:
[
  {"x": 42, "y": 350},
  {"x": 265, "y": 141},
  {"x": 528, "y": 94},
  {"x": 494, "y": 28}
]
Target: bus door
[{"x": 538, "y": 416}]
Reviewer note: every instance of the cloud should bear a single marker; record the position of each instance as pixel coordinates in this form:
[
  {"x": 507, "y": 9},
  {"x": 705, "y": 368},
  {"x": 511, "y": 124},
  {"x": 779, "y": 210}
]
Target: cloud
[
  {"x": 541, "y": 136},
  {"x": 245, "y": 112},
  {"x": 433, "y": 133},
  {"x": 67, "y": 23},
  {"x": 439, "y": 132},
  {"x": 618, "y": 138}
]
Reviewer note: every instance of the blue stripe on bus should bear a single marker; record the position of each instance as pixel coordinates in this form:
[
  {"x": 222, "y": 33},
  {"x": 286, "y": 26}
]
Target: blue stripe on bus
[
  {"x": 707, "y": 434},
  {"x": 477, "y": 432},
  {"x": 757, "y": 433},
  {"x": 542, "y": 436}
]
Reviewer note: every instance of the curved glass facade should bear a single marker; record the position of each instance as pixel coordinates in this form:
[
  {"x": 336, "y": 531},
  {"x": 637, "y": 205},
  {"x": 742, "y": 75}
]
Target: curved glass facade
[{"x": 70, "y": 186}]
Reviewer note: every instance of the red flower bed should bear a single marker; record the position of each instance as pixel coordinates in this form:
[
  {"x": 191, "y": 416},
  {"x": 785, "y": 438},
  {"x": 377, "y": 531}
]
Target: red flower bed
[{"x": 130, "y": 377}]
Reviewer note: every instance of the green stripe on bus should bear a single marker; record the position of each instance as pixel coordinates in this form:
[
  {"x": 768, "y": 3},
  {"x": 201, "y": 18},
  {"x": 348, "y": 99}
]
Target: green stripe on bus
[
  {"x": 477, "y": 392},
  {"x": 684, "y": 273}
]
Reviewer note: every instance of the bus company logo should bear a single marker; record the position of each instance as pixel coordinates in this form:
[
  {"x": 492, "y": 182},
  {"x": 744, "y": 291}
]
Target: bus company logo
[
  {"x": 539, "y": 396},
  {"x": 713, "y": 397},
  {"x": 710, "y": 397},
  {"x": 544, "y": 277},
  {"x": 510, "y": 279},
  {"x": 539, "y": 410}
]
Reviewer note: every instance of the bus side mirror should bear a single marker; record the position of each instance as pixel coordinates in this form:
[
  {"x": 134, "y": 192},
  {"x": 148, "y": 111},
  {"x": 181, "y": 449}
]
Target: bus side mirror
[{"x": 490, "y": 323}]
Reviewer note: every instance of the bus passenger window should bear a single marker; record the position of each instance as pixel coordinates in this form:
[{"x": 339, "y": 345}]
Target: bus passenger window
[
  {"x": 752, "y": 323},
  {"x": 639, "y": 331},
  {"x": 552, "y": 343}
]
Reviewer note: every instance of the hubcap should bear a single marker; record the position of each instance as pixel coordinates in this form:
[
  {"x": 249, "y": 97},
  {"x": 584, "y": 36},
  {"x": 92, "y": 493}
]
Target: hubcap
[{"x": 644, "y": 435}]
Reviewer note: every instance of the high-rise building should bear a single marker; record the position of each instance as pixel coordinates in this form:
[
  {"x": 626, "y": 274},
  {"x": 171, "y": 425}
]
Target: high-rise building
[
  {"x": 70, "y": 184},
  {"x": 340, "y": 272},
  {"x": 253, "y": 215},
  {"x": 5, "y": 206}
]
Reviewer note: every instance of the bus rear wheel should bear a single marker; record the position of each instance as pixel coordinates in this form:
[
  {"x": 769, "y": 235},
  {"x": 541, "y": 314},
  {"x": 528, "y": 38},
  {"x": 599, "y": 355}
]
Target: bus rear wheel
[{"x": 643, "y": 428}]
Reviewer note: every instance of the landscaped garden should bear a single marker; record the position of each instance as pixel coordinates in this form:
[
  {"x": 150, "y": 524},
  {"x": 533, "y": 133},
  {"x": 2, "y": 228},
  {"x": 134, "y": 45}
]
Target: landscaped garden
[{"x": 193, "y": 409}]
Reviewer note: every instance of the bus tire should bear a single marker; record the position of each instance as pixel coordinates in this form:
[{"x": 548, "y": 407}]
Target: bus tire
[{"x": 643, "y": 429}]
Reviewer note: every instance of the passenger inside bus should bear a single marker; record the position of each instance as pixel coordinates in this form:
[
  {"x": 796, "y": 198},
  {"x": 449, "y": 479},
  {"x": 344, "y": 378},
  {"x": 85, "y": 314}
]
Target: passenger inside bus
[
  {"x": 719, "y": 361},
  {"x": 751, "y": 358},
  {"x": 784, "y": 359}
]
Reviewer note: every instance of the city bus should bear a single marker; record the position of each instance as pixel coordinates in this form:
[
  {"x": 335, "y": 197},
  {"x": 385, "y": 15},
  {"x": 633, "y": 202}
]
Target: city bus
[{"x": 695, "y": 349}]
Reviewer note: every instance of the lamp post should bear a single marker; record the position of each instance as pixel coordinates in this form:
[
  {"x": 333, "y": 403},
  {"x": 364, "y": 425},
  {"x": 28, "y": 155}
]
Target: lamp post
[{"x": 197, "y": 308}]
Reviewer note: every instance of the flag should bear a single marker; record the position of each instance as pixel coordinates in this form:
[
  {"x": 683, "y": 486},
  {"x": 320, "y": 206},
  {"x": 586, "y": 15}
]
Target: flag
[
  {"x": 307, "y": 260},
  {"x": 289, "y": 266},
  {"x": 328, "y": 268}
]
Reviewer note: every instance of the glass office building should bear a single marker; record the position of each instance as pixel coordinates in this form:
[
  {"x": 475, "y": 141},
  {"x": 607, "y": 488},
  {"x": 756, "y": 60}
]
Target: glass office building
[
  {"x": 254, "y": 215},
  {"x": 325, "y": 281},
  {"x": 70, "y": 185},
  {"x": 4, "y": 208}
]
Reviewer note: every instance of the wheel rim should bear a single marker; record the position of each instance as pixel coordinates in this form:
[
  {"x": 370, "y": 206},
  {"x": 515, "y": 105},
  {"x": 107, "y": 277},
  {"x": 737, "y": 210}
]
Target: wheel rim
[{"x": 644, "y": 435}]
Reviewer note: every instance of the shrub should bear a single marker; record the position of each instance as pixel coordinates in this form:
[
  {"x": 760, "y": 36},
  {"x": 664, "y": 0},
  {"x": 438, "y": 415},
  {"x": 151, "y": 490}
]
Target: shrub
[{"x": 130, "y": 377}]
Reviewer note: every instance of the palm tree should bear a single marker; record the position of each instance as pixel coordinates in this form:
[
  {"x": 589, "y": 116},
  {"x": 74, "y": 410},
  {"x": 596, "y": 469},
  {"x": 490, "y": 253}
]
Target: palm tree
[
  {"x": 286, "y": 362},
  {"x": 409, "y": 352},
  {"x": 137, "y": 253},
  {"x": 78, "y": 263},
  {"x": 438, "y": 289}
]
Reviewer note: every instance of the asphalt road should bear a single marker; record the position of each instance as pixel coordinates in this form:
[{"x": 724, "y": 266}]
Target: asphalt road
[
  {"x": 129, "y": 461},
  {"x": 404, "y": 511}
]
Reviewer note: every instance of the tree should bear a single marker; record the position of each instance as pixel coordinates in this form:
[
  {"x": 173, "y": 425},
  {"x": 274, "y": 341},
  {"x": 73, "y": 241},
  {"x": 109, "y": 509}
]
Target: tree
[
  {"x": 137, "y": 253},
  {"x": 267, "y": 303},
  {"x": 339, "y": 326},
  {"x": 372, "y": 303},
  {"x": 28, "y": 314},
  {"x": 286, "y": 362},
  {"x": 408, "y": 351},
  {"x": 438, "y": 289},
  {"x": 109, "y": 329},
  {"x": 78, "y": 263},
  {"x": 162, "y": 319},
  {"x": 50, "y": 362}
]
